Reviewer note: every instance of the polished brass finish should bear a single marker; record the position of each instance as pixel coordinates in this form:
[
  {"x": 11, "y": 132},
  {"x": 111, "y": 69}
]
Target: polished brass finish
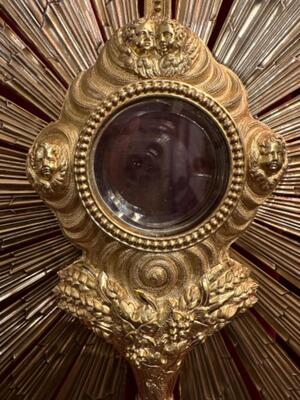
[{"x": 154, "y": 299}]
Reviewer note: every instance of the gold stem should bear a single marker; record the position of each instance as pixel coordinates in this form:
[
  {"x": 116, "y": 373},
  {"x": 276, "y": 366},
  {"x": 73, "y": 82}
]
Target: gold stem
[
  {"x": 160, "y": 8},
  {"x": 155, "y": 383}
]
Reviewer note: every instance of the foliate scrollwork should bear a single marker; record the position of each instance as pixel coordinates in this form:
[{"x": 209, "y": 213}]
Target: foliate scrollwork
[
  {"x": 267, "y": 162},
  {"x": 47, "y": 166},
  {"x": 154, "y": 47},
  {"x": 154, "y": 334}
]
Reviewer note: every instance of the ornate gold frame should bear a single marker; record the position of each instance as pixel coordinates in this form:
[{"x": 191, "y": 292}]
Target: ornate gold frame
[
  {"x": 154, "y": 298},
  {"x": 105, "y": 218}
]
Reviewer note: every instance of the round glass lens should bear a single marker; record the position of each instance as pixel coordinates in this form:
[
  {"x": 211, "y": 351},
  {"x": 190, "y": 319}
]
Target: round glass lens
[{"x": 161, "y": 164}]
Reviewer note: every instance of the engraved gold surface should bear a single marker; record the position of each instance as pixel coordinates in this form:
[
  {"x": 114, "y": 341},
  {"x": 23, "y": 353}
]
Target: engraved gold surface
[{"x": 152, "y": 301}]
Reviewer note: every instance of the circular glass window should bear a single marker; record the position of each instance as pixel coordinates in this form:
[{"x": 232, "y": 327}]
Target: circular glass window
[{"x": 161, "y": 164}]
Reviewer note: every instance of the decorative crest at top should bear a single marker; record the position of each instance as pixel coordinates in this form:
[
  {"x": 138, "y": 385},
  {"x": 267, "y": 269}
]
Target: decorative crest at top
[{"x": 155, "y": 47}]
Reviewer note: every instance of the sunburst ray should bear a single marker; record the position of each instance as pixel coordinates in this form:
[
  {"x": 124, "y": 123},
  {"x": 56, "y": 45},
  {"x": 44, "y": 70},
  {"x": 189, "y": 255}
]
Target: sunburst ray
[{"x": 199, "y": 16}]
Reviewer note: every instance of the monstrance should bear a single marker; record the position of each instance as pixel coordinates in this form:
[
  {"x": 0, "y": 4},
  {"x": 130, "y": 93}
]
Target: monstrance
[{"x": 153, "y": 169}]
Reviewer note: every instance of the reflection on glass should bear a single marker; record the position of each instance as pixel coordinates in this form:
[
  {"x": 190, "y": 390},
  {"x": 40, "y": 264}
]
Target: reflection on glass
[{"x": 161, "y": 164}]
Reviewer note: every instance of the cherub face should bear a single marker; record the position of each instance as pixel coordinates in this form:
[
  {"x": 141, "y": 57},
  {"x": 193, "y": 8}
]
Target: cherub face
[
  {"x": 144, "y": 36},
  {"x": 47, "y": 160},
  {"x": 271, "y": 156},
  {"x": 166, "y": 37},
  {"x": 128, "y": 34}
]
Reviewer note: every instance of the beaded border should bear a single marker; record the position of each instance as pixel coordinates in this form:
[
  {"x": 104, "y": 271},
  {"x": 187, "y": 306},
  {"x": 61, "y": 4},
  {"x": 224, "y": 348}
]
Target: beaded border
[{"x": 119, "y": 229}]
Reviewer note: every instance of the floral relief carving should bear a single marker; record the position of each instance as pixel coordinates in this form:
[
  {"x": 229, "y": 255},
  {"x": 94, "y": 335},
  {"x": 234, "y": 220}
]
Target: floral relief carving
[{"x": 153, "y": 334}]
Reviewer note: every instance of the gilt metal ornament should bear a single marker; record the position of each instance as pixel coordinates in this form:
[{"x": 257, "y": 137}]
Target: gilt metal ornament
[
  {"x": 154, "y": 294},
  {"x": 268, "y": 162},
  {"x": 154, "y": 47},
  {"x": 47, "y": 167},
  {"x": 152, "y": 333}
]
